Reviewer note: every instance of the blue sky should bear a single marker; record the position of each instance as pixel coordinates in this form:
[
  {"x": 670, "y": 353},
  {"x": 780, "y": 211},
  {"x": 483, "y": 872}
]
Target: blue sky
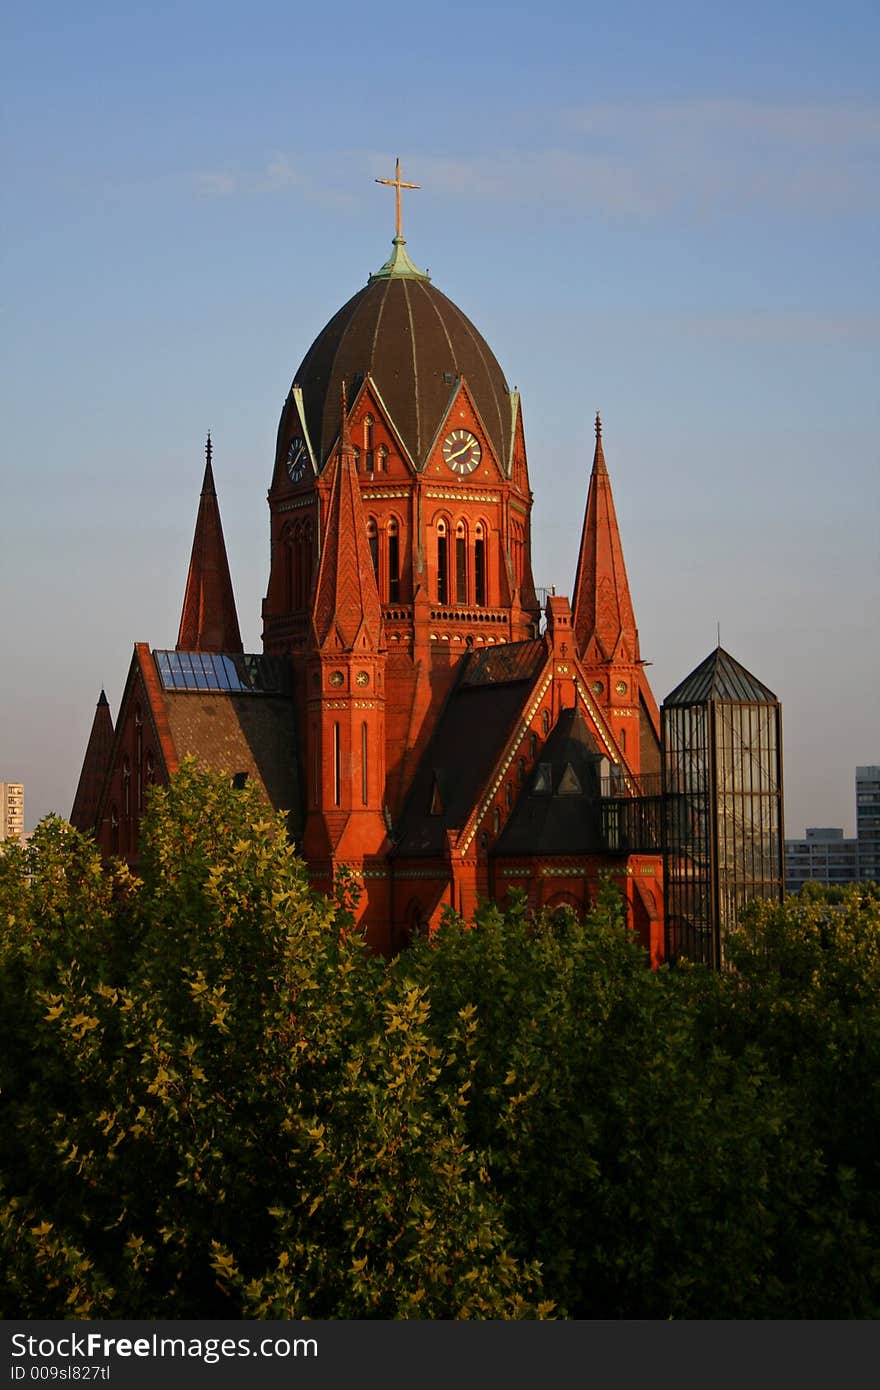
[{"x": 667, "y": 213}]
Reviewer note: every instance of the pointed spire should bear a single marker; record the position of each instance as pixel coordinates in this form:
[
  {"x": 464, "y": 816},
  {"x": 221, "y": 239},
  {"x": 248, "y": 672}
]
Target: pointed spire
[
  {"x": 347, "y": 614},
  {"x": 209, "y": 622},
  {"x": 94, "y": 769},
  {"x": 602, "y": 608}
]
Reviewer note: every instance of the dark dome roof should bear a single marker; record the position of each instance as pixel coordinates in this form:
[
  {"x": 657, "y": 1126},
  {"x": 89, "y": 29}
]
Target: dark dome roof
[{"x": 415, "y": 343}]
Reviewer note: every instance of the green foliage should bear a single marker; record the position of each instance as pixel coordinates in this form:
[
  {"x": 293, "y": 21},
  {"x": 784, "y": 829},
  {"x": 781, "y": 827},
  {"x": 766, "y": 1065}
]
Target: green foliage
[
  {"x": 250, "y": 1117},
  {"x": 218, "y": 1103}
]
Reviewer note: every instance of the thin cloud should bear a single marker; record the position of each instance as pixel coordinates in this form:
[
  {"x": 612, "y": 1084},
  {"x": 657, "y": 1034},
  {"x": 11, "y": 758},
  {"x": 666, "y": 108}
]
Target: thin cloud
[
  {"x": 280, "y": 174},
  {"x": 706, "y": 157},
  {"x": 701, "y": 159}
]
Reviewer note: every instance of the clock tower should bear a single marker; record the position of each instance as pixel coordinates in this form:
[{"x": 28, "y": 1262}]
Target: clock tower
[{"x": 437, "y": 452}]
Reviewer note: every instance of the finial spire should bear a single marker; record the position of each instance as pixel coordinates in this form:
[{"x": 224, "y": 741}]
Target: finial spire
[
  {"x": 397, "y": 184},
  {"x": 599, "y": 455},
  {"x": 398, "y": 266},
  {"x": 208, "y": 480}
]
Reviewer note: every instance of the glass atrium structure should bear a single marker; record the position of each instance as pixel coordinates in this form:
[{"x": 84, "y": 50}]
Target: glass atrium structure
[{"x": 721, "y": 733}]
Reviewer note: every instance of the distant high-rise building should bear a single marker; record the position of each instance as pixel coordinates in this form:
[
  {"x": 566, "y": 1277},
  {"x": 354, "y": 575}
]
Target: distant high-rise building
[
  {"x": 824, "y": 856},
  {"x": 868, "y": 821},
  {"x": 11, "y": 810}
]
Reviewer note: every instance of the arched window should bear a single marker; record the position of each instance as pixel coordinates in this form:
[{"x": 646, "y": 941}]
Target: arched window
[
  {"x": 516, "y": 551},
  {"x": 623, "y": 740},
  {"x": 369, "y": 455},
  {"x": 545, "y": 722},
  {"x": 150, "y": 768},
  {"x": 316, "y": 767},
  {"x": 357, "y": 460},
  {"x": 364, "y": 775},
  {"x": 533, "y": 745},
  {"x": 508, "y": 795},
  {"x": 337, "y": 766},
  {"x": 299, "y": 564},
  {"x": 442, "y": 562},
  {"x": 461, "y": 587},
  {"x": 479, "y": 566},
  {"x": 382, "y": 460},
  {"x": 305, "y": 563},
  {"x": 496, "y": 820},
  {"x": 373, "y": 538},
  {"x": 126, "y": 787},
  {"x": 393, "y": 562},
  {"x": 114, "y": 830},
  {"x": 521, "y": 770}
]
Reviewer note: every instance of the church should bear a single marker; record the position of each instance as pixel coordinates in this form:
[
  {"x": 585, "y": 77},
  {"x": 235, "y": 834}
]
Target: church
[{"x": 418, "y": 716}]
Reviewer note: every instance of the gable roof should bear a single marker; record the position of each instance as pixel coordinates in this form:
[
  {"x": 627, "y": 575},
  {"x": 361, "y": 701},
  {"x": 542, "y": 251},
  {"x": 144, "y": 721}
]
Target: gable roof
[
  {"x": 558, "y": 810},
  {"x": 474, "y": 725},
  {"x": 94, "y": 769},
  {"x": 232, "y": 712}
]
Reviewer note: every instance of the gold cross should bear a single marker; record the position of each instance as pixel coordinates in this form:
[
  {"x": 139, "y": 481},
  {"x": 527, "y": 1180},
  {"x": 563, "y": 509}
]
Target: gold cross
[{"x": 397, "y": 183}]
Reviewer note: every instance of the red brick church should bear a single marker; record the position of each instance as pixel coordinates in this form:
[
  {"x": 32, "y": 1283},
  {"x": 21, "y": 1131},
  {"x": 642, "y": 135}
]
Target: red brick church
[{"x": 414, "y": 713}]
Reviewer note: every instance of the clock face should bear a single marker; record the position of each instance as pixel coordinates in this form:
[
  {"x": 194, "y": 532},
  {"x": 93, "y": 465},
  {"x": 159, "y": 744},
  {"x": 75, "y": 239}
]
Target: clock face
[
  {"x": 297, "y": 458},
  {"x": 462, "y": 451}
]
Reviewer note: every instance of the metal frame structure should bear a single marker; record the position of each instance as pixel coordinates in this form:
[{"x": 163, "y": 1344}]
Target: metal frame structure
[{"x": 721, "y": 733}]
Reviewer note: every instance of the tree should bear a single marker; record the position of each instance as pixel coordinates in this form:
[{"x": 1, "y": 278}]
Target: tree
[
  {"x": 221, "y": 1103},
  {"x": 218, "y": 1103}
]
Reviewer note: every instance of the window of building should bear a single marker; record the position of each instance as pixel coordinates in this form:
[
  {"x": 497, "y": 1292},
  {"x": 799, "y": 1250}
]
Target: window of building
[
  {"x": 337, "y": 766},
  {"x": 480, "y": 567},
  {"x": 393, "y": 562},
  {"x": 545, "y": 722},
  {"x": 126, "y": 786},
  {"x": 373, "y": 538},
  {"x": 364, "y": 770},
  {"x": 114, "y": 829},
  {"x": 442, "y": 563},
  {"x": 461, "y": 594},
  {"x": 139, "y": 757},
  {"x": 369, "y": 453},
  {"x": 382, "y": 460},
  {"x": 496, "y": 820}
]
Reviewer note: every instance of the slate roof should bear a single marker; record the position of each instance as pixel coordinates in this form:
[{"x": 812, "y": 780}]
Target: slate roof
[
  {"x": 241, "y": 733},
  {"x": 558, "y": 811},
  {"x": 414, "y": 343},
  {"x": 720, "y": 677},
  {"x": 475, "y": 724}
]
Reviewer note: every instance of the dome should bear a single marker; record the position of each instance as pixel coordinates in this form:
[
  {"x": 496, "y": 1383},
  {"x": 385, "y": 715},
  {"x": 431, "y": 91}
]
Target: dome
[{"x": 415, "y": 343}]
